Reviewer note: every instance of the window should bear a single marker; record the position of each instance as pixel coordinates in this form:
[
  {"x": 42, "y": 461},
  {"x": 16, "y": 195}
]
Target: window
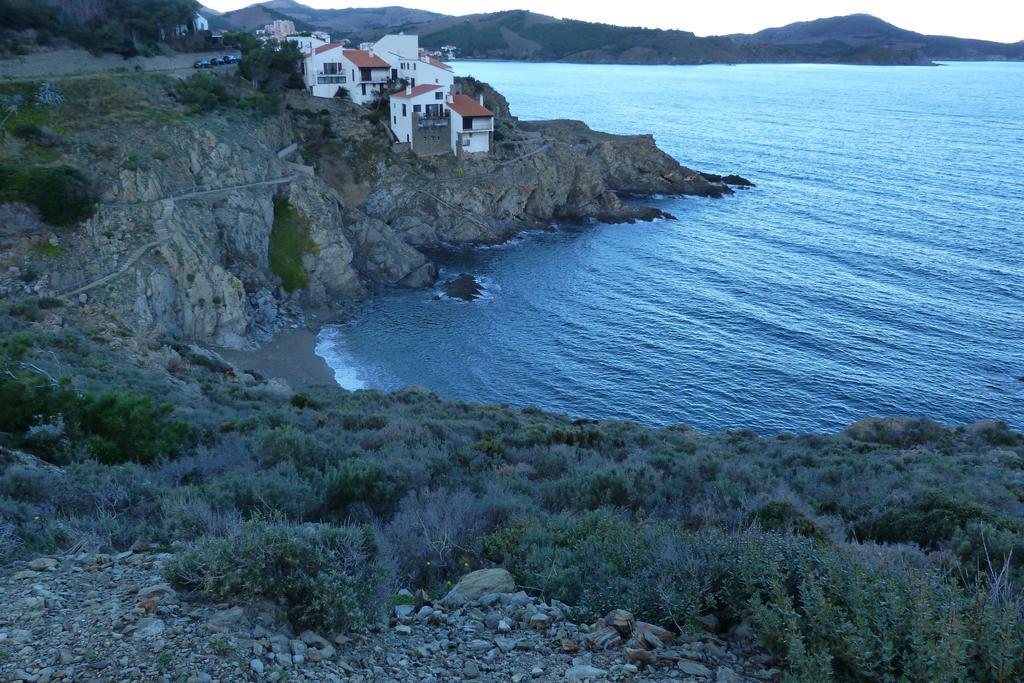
[
  {"x": 439, "y": 95},
  {"x": 395, "y": 120},
  {"x": 417, "y": 108},
  {"x": 403, "y": 110}
]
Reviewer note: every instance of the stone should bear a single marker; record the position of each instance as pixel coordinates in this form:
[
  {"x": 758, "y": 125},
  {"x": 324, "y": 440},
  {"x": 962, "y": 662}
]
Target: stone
[
  {"x": 148, "y": 627},
  {"x": 504, "y": 644},
  {"x": 471, "y": 586},
  {"x": 622, "y": 621},
  {"x": 692, "y": 668},
  {"x": 539, "y": 621},
  {"x": 403, "y": 630},
  {"x": 603, "y": 638},
  {"x": 640, "y": 657},
  {"x": 580, "y": 673},
  {"x": 227, "y": 618},
  {"x": 157, "y": 590},
  {"x": 504, "y": 625},
  {"x": 471, "y": 669},
  {"x": 403, "y": 611},
  {"x": 726, "y": 675},
  {"x": 43, "y": 564},
  {"x": 256, "y": 665}
]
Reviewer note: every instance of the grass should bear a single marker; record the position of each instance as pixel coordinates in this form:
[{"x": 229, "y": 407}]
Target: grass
[
  {"x": 290, "y": 240},
  {"x": 43, "y": 250}
]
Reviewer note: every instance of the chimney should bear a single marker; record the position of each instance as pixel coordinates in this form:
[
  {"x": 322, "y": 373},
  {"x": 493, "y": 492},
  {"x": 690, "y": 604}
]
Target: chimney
[
  {"x": 408, "y": 89},
  {"x": 481, "y": 100}
]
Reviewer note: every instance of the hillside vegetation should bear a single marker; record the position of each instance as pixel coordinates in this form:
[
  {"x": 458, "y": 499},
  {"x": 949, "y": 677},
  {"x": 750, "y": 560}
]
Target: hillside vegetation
[{"x": 893, "y": 549}]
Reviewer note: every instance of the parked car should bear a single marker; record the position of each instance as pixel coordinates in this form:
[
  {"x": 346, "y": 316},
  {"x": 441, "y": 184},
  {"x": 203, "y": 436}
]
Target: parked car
[
  {"x": 215, "y": 61},
  {"x": 230, "y": 59},
  {"x": 201, "y": 64}
]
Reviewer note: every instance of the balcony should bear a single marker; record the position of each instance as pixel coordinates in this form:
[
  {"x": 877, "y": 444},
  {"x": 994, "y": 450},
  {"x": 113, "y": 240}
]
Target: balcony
[{"x": 432, "y": 121}]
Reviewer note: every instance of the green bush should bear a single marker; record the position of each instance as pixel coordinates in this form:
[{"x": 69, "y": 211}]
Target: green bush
[
  {"x": 782, "y": 517},
  {"x": 359, "y": 481},
  {"x": 116, "y": 426},
  {"x": 123, "y": 427},
  {"x": 204, "y": 92},
  {"x": 327, "y": 578},
  {"x": 827, "y": 612},
  {"x": 290, "y": 240},
  {"x": 61, "y": 194}
]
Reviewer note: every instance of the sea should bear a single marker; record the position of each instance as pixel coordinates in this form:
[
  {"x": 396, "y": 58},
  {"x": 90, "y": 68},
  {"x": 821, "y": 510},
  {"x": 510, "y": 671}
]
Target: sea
[{"x": 876, "y": 269}]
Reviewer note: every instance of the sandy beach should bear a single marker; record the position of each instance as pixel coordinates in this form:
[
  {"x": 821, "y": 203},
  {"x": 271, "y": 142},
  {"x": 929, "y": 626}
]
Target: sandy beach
[{"x": 290, "y": 355}]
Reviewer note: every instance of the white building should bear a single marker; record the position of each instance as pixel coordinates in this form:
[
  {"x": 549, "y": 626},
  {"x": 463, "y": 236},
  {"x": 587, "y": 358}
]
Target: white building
[
  {"x": 329, "y": 67},
  {"x": 278, "y": 29},
  {"x": 419, "y": 118},
  {"x": 308, "y": 43},
  {"x": 472, "y": 125}
]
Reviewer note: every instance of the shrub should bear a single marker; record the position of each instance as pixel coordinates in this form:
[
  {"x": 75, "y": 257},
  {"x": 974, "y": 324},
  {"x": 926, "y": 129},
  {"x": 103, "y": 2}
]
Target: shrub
[
  {"x": 123, "y": 427},
  {"x": 117, "y": 426},
  {"x": 204, "y": 92},
  {"x": 896, "y": 431},
  {"x": 326, "y": 577},
  {"x": 61, "y": 194},
  {"x": 290, "y": 240},
  {"x": 378, "y": 487},
  {"x": 782, "y": 517},
  {"x": 828, "y": 612}
]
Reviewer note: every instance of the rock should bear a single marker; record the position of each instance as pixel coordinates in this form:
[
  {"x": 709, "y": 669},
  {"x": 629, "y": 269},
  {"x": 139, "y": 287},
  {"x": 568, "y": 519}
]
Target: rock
[
  {"x": 482, "y": 581},
  {"x": 403, "y": 611},
  {"x": 569, "y": 646},
  {"x": 622, "y": 621},
  {"x": 43, "y": 564},
  {"x": 25, "y": 574},
  {"x": 403, "y": 630},
  {"x": 505, "y": 644},
  {"x": 603, "y": 638},
  {"x": 504, "y": 625},
  {"x": 148, "y": 627},
  {"x": 640, "y": 657},
  {"x": 726, "y": 675},
  {"x": 539, "y": 621},
  {"x": 157, "y": 590},
  {"x": 737, "y": 181},
  {"x": 692, "y": 668},
  {"x": 256, "y": 665},
  {"x": 471, "y": 669},
  {"x": 464, "y": 287},
  {"x": 583, "y": 672},
  {"x": 652, "y": 637},
  {"x": 227, "y": 618}
]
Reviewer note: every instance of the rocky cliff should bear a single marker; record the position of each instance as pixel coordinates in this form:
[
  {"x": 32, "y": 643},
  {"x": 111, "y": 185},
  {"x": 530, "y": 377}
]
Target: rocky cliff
[{"x": 183, "y": 241}]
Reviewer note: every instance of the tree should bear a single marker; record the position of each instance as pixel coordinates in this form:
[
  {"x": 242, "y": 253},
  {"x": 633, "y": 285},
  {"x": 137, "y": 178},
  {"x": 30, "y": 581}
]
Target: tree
[{"x": 270, "y": 65}]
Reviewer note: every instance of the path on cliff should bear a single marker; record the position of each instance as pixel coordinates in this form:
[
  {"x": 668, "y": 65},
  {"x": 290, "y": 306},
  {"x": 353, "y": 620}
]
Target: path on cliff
[
  {"x": 160, "y": 227},
  {"x": 76, "y": 63}
]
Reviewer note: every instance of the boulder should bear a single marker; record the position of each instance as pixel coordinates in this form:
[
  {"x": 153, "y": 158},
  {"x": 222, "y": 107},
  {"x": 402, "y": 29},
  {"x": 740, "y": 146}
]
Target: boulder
[
  {"x": 475, "y": 584},
  {"x": 622, "y": 621}
]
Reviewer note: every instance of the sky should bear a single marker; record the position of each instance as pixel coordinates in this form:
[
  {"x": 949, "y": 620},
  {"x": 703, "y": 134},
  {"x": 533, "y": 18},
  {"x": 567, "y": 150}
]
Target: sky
[{"x": 1001, "y": 20}]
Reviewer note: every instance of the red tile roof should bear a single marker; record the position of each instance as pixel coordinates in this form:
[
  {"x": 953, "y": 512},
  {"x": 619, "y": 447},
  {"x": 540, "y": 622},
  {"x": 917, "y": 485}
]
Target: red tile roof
[
  {"x": 329, "y": 46},
  {"x": 467, "y": 106},
  {"x": 438, "y": 63},
  {"x": 364, "y": 60},
  {"x": 417, "y": 91}
]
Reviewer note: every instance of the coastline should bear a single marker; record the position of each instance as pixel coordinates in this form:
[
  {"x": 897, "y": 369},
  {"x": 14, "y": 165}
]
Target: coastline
[{"x": 290, "y": 355}]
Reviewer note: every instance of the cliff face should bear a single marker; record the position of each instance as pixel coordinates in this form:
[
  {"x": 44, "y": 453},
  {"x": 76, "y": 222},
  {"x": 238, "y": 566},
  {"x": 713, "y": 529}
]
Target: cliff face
[{"x": 181, "y": 242}]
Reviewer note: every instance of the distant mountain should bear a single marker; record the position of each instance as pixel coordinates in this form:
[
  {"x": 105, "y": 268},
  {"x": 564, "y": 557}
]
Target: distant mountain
[
  {"x": 354, "y": 19},
  {"x": 527, "y": 36},
  {"x": 836, "y": 36}
]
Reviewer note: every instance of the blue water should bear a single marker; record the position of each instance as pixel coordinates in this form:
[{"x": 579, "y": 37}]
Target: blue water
[{"x": 877, "y": 269}]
